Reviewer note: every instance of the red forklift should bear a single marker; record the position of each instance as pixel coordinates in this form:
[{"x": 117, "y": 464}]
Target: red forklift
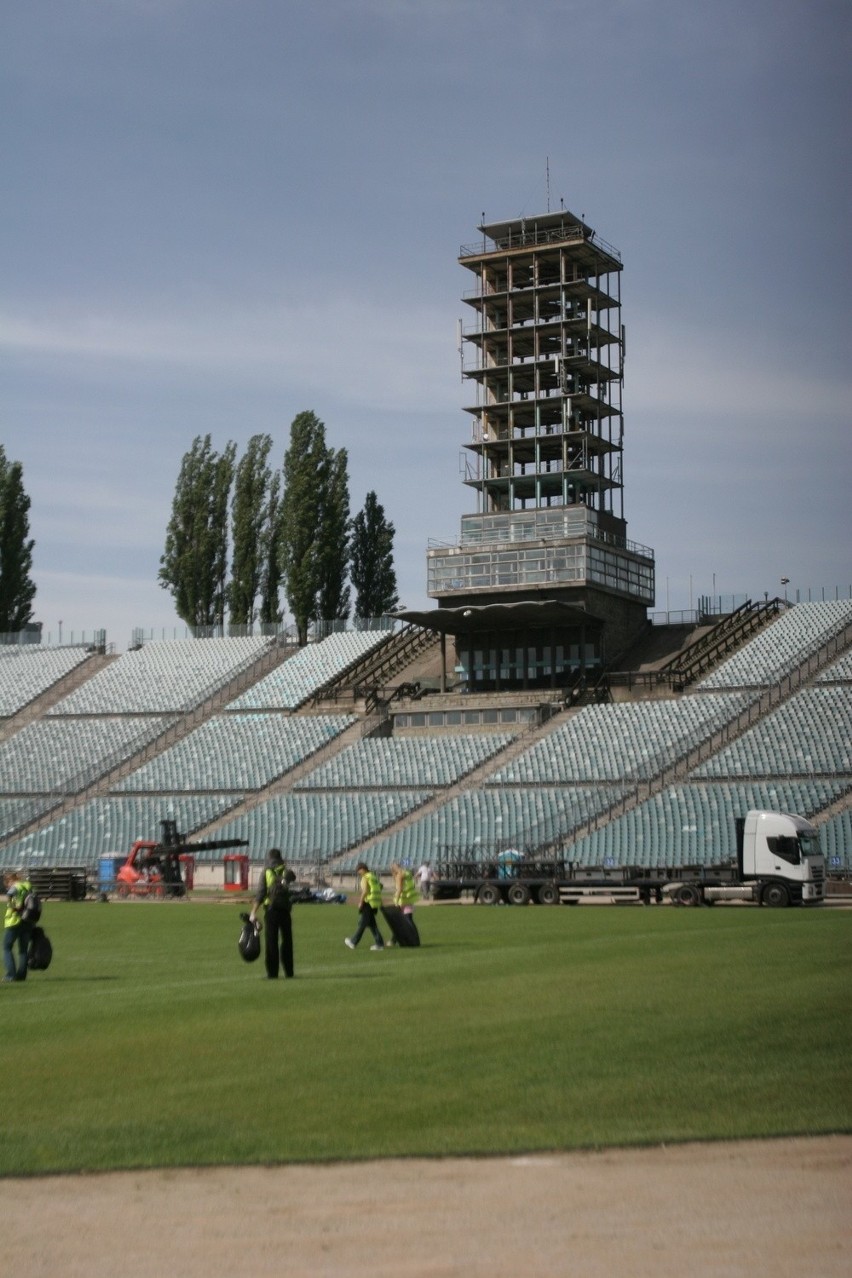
[{"x": 165, "y": 869}]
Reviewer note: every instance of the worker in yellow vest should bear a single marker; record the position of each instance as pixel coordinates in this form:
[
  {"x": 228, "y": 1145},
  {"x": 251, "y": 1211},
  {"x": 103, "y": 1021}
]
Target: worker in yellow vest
[
  {"x": 405, "y": 895},
  {"x": 273, "y": 894},
  {"x": 17, "y": 927},
  {"x": 405, "y": 889},
  {"x": 369, "y": 901}
]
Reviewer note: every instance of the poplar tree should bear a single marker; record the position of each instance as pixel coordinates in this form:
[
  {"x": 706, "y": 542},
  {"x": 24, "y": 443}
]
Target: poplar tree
[
  {"x": 17, "y": 589},
  {"x": 249, "y": 515},
  {"x": 223, "y": 478},
  {"x": 270, "y": 577},
  {"x": 305, "y": 477},
  {"x": 333, "y": 541},
  {"x": 193, "y": 566},
  {"x": 371, "y": 561}
]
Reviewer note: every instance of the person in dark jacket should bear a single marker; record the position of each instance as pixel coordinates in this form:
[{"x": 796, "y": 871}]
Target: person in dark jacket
[{"x": 273, "y": 895}]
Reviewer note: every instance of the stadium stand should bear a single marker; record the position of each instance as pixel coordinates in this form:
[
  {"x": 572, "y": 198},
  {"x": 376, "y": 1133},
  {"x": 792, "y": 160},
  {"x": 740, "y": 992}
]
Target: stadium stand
[
  {"x": 59, "y": 756},
  {"x": 81, "y": 740},
  {"x": 836, "y": 839},
  {"x": 810, "y": 734},
  {"x": 15, "y": 813},
  {"x": 305, "y": 673},
  {"x": 604, "y": 784},
  {"x": 163, "y": 677},
  {"x": 798, "y": 633},
  {"x": 838, "y": 672},
  {"x": 623, "y": 741},
  {"x": 477, "y": 823},
  {"x": 694, "y": 824},
  {"x": 309, "y": 828},
  {"x": 405, "y": 762},
  {"x": 28, "y": 671},
  {"x": 103, "y": 826},
  {"x": 235, "y": 752}
]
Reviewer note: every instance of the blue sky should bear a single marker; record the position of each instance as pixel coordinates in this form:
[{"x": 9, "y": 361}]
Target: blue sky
[{"x": 218, "y": 213}]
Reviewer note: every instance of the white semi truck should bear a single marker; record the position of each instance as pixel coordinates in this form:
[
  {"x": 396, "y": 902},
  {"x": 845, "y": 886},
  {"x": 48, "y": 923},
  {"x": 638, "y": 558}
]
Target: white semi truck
[{"x": 778, "y": 863}]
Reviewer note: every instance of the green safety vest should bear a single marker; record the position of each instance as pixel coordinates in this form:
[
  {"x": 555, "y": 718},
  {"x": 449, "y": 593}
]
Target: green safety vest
[
  {"x": 407, "y": 893},
  {"x": 371, "y": 886},
  {"x": 270, "y": 875},
  {"x": 15, "y": 904}
]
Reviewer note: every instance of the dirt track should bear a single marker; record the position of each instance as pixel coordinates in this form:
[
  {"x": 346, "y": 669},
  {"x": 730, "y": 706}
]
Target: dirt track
[{"x": 779, "y": 1208}]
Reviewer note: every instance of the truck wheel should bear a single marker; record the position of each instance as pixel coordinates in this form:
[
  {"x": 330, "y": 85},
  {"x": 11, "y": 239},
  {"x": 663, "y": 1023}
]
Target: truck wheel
[
  {"x": 775, "y": 895},
  {"x": 488, "y": 894},
  {"x": 687, "y": 894},
  {"x": 518, "y": 894},
  {"x": 548, "y": 894}
]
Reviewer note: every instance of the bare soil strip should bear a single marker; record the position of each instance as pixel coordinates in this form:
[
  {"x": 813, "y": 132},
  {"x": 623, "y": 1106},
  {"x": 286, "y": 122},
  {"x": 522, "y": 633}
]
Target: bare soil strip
[{"x": 779, "y": 1208}]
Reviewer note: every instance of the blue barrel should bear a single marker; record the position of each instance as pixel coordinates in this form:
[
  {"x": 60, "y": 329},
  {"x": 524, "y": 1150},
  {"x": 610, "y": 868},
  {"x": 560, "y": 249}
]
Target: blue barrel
[{"x": 108, "y": 868}]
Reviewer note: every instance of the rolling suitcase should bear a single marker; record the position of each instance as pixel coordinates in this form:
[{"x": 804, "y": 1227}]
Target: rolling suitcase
[
  {"x": 401, "y": 925},
  {"x": 40, "y": 951}
]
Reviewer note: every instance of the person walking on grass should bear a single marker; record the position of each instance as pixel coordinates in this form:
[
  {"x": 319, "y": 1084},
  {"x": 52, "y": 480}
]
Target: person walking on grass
[
  {"x": 17, "y": 927},
  {"x": 368, "y": 904},
  {"x": 273, "y": 894},
  {"x": 423, "y": 878},
  {"x": 405, "y": 895}
]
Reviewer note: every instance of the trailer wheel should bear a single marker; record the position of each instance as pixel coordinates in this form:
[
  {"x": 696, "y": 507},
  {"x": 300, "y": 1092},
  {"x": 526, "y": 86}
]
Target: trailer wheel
[
  {"x": 775, "y": 895},
  {"x": 518, "y": 894},
  {"x": 548, "y": 894},
  {"x": 687, "y": 894},
  {"x": 488, "y": 894}
]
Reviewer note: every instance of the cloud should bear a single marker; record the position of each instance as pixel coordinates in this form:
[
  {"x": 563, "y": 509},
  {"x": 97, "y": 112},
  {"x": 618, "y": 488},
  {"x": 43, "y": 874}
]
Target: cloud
[
  {"x": 684, "y": 372},
  {"x": 85, "y": 602},
  {"x": 356, "y": 348},
  {"x": 122, "y": 513}
]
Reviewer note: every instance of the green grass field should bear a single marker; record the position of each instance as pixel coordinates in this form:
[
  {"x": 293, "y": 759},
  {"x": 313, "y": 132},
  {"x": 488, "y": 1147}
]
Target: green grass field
[{"x": 149, "y": 1042}]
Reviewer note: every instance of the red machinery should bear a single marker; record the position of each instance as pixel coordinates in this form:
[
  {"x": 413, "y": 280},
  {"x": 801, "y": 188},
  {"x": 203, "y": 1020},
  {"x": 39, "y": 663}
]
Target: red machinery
[{"x": 166, "y": 868}]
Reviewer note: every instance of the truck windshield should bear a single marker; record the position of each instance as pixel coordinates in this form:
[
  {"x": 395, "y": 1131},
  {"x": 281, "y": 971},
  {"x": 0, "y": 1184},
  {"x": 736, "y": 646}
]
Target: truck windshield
[{"x": 809, "y": 844}]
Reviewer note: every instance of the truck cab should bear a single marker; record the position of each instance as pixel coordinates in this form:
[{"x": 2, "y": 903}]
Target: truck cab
[{"x": 781, "y": 851}]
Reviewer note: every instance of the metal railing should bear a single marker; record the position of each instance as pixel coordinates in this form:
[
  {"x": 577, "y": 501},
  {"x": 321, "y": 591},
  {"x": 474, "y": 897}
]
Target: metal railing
[{"x": 535, "y": 237}]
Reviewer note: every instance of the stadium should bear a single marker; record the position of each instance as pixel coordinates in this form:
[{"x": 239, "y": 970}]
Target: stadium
[
  {"x": 540, "y": 709},
  {"x": 538, "y": 706},
  {"x": 315, "y": 751}
]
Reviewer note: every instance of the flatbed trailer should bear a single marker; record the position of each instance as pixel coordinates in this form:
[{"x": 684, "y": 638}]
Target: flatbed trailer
[
  {"x": 556, "y": 884},
  {"x": 778, "y": 863}
]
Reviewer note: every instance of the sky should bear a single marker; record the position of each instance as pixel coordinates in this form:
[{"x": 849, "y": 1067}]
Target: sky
[{"x": 220, "y": 213}]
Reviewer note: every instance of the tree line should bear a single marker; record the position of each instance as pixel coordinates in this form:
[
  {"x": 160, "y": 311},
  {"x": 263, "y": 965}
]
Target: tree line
[{"x": 242, "y": 534}]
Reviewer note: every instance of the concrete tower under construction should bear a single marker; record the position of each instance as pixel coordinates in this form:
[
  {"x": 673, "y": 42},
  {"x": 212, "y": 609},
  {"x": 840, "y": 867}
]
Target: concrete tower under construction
[{"x": 544, "y": 583}]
